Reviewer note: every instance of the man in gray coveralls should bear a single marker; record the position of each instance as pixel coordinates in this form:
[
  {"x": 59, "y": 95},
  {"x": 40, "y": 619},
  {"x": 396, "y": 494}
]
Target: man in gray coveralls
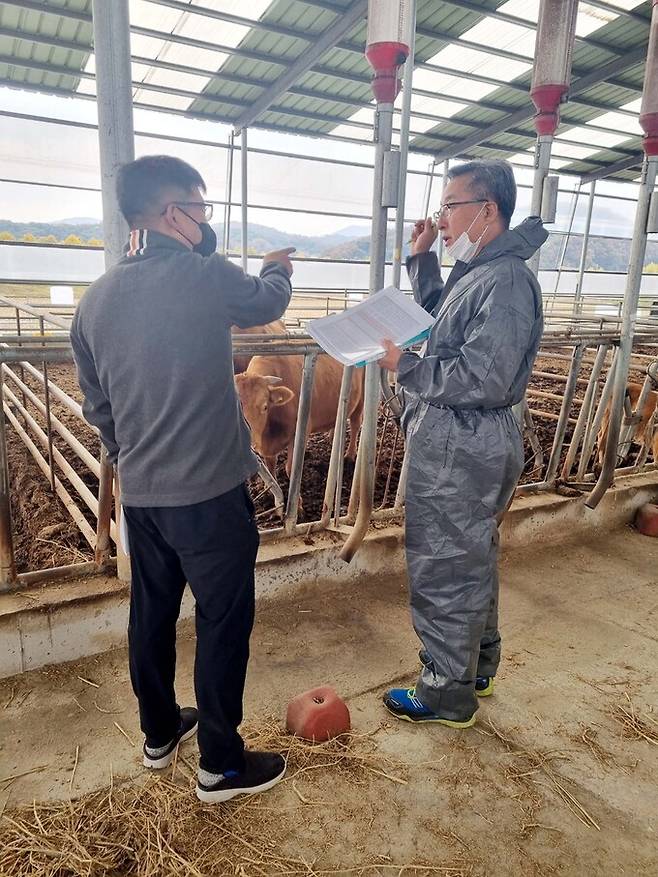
[{"x": 464, "y": 443}]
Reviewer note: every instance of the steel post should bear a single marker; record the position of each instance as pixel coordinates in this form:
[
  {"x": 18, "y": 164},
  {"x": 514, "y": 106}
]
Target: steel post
[
  {"x": 7, "y": 563},
  {"x": 331, "y": 499},
  {"x": 542, "y": 165},
  {"x": 444, "y": 183},
  {"x": 244, "y": 186},
  {"x": 578, "y": 304},
  {"x": 583, "y": 416},
  {"x": 366, "y": 453},
  {"x": 299, "y": 447},
  {"x": 115, "y": 136},
  {"x": 629, "y": 317},
  {"x": 405, "y": 117},
  {"x": 565, "y": 410},
  {"x": 226, "y": 238}
]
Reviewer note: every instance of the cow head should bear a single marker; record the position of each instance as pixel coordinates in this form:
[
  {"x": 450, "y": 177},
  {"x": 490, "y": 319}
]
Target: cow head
[{"x": 258, "y": 394}]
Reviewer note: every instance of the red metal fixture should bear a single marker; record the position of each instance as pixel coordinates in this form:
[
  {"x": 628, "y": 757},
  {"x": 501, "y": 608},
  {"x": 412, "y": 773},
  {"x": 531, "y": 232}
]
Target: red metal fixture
[
  {"x": 386, "y": 47},
  {"x": 551, "y": 74},
  {"x": 649, "y": 107}
]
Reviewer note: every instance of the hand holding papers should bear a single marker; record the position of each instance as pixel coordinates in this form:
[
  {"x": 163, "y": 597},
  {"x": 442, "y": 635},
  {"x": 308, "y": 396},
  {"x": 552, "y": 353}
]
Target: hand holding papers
[{"x": 354, "y": 336}]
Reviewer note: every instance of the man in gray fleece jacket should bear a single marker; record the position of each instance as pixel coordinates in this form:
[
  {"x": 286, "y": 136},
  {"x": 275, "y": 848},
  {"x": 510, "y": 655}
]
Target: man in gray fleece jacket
[{"x": 152, "y": 343}]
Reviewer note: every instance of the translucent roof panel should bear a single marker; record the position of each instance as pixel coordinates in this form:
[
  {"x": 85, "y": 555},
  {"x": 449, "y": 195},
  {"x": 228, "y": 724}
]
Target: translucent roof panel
[
  {"x": 503, "y": 35},
  {"x": 441, "y": 83},
  {"x": 595, "y": 139},
  {"x": 615, "y": 121},
  {"x": 528, "y": 159},
  {"x": 467, "y": 60}
]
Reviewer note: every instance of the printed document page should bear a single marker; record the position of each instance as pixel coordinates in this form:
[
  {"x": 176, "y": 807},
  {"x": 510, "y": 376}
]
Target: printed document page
[{"x": 354, "y": 336}]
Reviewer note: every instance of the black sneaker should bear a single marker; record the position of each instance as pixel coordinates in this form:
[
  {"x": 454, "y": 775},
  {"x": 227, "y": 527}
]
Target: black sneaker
[
  {"x": 262, "y": 771},
  {"x": 159, "y": 758}
]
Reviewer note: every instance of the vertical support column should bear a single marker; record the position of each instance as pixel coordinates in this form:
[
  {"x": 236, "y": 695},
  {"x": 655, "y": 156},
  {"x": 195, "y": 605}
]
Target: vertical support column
[
  {"x": 244, "y": 184},
  {"x": 578, "y": 304},
  {"x": 404, "y": 146},
  {"x": 542, "y": 165},
  {"x": 629, "y": 317},
  {"x": 116, "y": 140},
  {"x": 105, "y": 494},
  {"x": 649, "y": 124},
  {"x": 366, "y": 453},
  {"x": 229, "y": 195},
  {"x": 7, "y": 563},
  {"x": 444, "y": 183}
]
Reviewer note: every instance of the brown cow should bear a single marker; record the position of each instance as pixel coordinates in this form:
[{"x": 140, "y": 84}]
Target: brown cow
[
  {"x": 240, "y": 362},
  {"x": 269, "y": 392},
  {"x": 633, "y": 394}
]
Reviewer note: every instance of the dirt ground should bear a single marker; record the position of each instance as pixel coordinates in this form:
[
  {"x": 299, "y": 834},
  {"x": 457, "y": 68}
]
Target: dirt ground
[{"x": 554, "y": 779}]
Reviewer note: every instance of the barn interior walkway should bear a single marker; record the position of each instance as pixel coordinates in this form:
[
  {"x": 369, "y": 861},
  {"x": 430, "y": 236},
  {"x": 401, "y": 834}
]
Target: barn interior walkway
[{"x": 556, "y": 778}]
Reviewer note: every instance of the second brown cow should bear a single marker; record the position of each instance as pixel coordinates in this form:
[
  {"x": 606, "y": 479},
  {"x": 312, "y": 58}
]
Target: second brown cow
[
  {"x": 269, "y": 393},
  {"x": 633, "y": 393}
]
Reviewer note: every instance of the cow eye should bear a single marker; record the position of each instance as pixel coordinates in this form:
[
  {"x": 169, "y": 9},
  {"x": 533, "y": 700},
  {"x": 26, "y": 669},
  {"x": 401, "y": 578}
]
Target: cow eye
[{"x": 264, "y": 406}]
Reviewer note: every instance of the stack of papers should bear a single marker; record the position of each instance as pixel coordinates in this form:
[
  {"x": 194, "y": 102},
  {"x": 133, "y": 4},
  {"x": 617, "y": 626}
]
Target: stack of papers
[{"x": 354, "y": 337}]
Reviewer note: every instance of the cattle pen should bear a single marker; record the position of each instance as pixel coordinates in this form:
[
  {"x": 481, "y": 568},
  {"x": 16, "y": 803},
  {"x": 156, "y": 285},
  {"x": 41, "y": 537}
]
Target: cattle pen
[{"x": 309, "y": 133}]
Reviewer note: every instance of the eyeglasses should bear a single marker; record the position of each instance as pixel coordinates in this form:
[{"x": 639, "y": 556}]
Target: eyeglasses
[
  {"x": 450, "y": 206},
  {"x": 207, "y": 207}
]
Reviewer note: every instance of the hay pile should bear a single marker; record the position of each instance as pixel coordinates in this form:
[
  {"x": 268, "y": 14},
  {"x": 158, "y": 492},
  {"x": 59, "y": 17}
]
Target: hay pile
[{"x": 158, "y": 828}]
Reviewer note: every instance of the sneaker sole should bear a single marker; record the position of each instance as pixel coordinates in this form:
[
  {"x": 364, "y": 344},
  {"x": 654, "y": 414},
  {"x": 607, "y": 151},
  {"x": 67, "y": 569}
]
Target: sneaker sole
[
  {"x": 220, "y": 795},
  {"x": 165, "y": 761},
  {"x": 448, "y": 723},
  {"x": 486, "y": 692}
]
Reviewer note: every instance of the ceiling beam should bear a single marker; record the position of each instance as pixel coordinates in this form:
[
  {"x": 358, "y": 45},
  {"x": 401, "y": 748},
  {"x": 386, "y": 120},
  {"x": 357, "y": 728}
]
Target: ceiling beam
[
  {"x": 304, "y": 63},
  {"x": 621, "y": 165},
  {"x": 525, "y": 113}
]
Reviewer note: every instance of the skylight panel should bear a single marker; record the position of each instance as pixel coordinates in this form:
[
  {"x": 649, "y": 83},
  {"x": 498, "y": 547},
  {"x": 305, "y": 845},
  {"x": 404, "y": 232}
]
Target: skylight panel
[
  {"x": 576, "y": 152},
  {"x": 428, "y": 80},
  {"x": 158, "y": 99},
  {"x": 616, "y": 121},
  {"x": 528, "y": 9},
  {"x": 436, "y": 107},
  {"x": 474, "y": 61},
  {"x": 503, "y": 35},
  {"x": 528, "y": 160},
  {"x": 597, "y": 139}
]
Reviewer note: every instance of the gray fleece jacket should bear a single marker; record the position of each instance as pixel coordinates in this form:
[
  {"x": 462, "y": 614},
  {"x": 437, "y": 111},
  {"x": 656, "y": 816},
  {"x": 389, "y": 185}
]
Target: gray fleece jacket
[
  {"x": 488, "y": 325},
  {"x": 152, "y": 343}
]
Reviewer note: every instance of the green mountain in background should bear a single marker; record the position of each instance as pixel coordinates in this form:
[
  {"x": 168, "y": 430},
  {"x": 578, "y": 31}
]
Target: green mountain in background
[{"x": 349, "y": 244}]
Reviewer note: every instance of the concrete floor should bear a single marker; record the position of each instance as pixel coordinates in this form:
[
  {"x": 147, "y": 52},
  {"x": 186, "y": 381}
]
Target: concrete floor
[{"x": 580, "y": 638}]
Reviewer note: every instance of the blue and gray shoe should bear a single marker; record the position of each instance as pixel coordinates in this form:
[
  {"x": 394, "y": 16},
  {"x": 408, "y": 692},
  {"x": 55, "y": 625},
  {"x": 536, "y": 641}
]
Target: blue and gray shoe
[
  {"x": 484, "y": 686},
  {"x": 403, "y": 704}
]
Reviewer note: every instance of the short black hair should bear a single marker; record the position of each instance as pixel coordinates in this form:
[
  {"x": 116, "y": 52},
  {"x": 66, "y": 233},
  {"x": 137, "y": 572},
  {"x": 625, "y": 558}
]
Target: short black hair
[
  {"x": 141, "y": 184},
  {"x": 492, "y": 179}
]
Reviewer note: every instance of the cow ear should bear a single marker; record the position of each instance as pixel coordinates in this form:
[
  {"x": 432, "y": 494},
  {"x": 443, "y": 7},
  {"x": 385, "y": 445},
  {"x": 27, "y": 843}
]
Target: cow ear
[
  {"x": 280, "y": 395},
  {"x": 272, "y": 379}
]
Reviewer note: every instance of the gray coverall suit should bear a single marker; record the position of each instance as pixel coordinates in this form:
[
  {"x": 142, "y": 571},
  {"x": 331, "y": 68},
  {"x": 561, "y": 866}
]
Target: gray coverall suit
[{"x": 465, "y": 454}]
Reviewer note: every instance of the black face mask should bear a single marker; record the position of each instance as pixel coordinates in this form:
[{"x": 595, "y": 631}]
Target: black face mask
[{"x": 208, "y": 243}]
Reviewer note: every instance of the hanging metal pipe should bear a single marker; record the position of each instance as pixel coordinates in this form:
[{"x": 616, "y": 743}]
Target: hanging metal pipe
[
  {"x": 299, "y": 447},
  {"x": 542, "y": 165},
  {"x": 244, "y": 186},
  {"x": 115, "y": 135},
  {"x": 383, "y": 133},
  {"x": 444, "y": 183},
  {"x": 578, "y": 304}
]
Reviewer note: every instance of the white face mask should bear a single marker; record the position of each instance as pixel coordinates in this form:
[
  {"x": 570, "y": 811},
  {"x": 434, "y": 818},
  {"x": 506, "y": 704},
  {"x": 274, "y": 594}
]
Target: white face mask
[{"x": 463, "y": 249}]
